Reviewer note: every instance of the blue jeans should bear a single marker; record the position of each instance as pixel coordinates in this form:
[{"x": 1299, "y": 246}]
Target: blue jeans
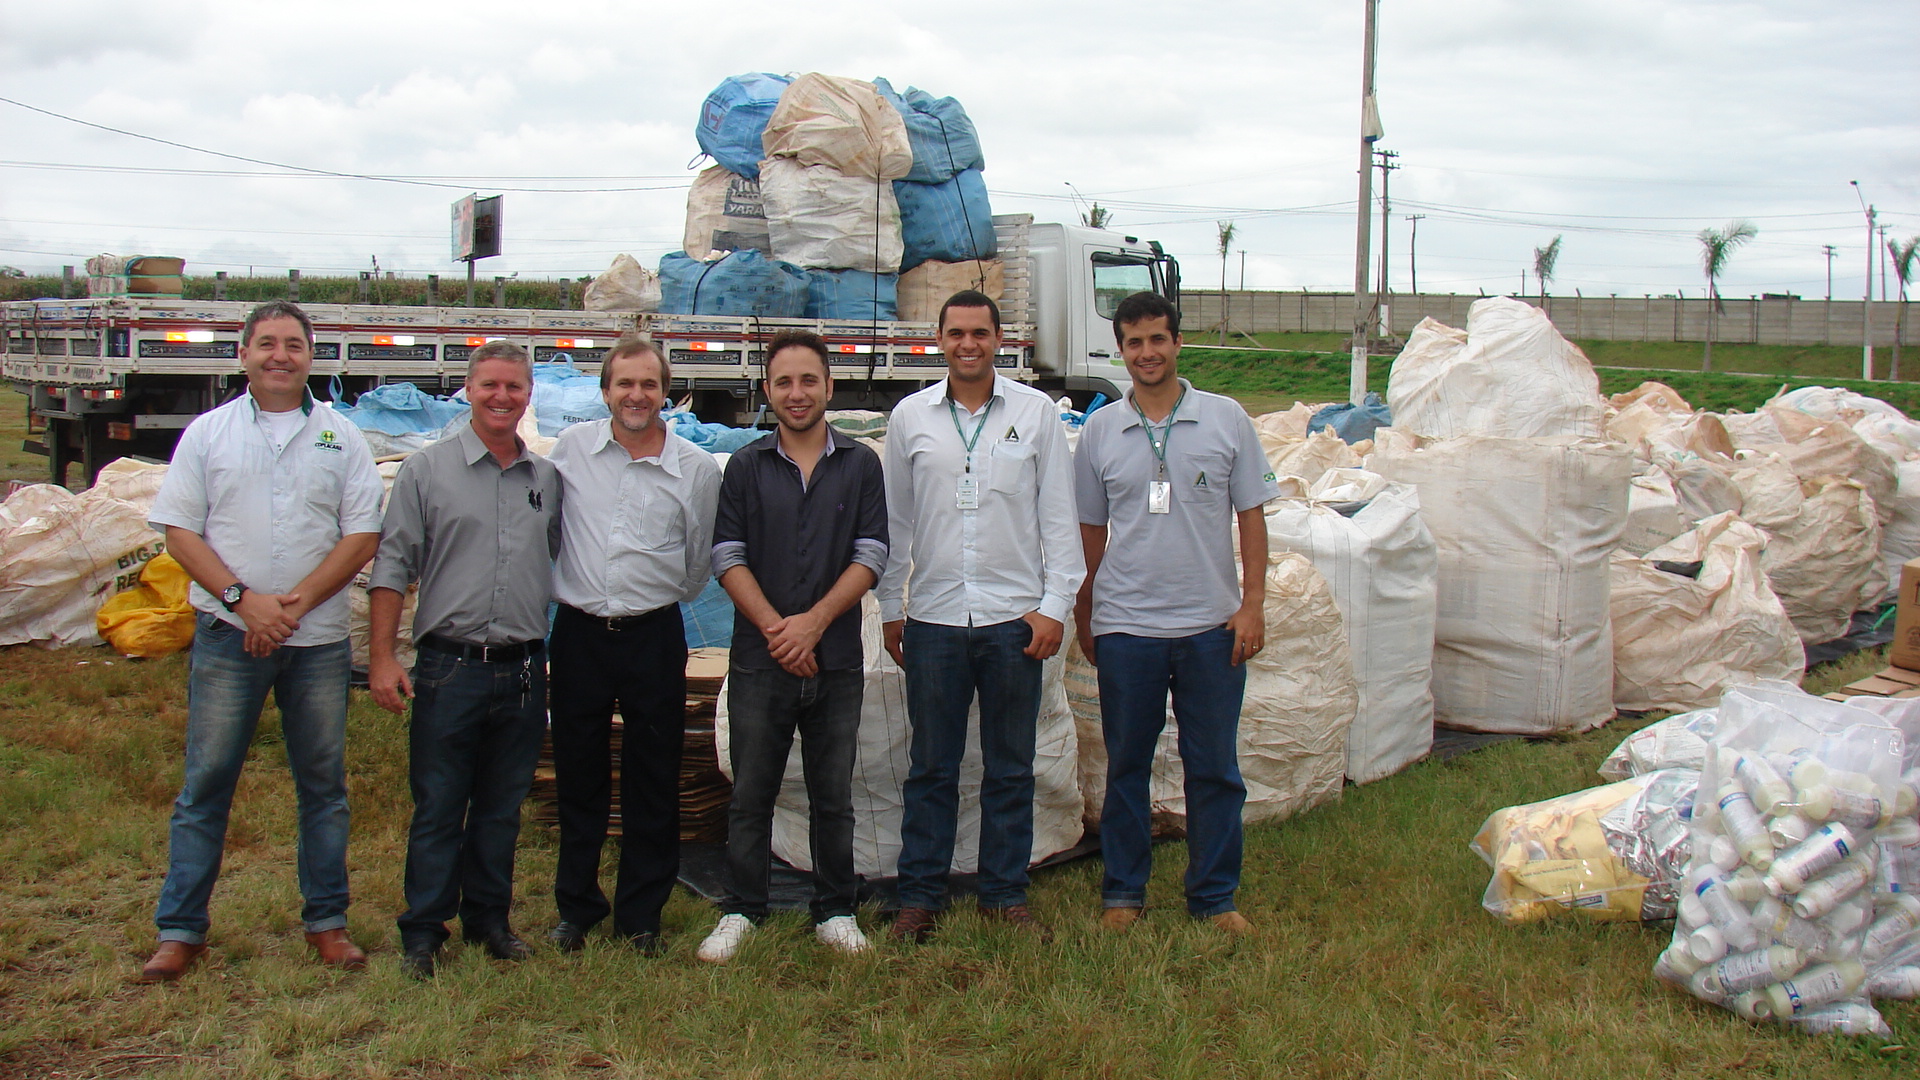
[
  {"x": 946, "y": 666},
  {"x": 764, "y": 710},
  {"x": 472, "y": 747},
  {"x": 1135, "y": 675},
  {"x": 226, "y": 689}
]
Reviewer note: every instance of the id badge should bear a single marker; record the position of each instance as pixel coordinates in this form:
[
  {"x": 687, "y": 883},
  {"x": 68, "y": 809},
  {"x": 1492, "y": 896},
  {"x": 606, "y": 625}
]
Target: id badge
[
  {"x": 1159, "y": 497},
  {"x": 967, "y": 495}
]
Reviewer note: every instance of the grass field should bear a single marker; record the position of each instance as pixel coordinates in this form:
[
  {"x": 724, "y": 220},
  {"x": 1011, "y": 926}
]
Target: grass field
[{"x": 1372, "y": 956}]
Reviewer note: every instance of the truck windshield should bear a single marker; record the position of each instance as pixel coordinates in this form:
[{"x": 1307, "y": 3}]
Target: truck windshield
[{"x": 1116, "y": 277}]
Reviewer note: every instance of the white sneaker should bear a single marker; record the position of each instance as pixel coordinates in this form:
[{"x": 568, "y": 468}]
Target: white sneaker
[
  {"x": 843, "y": 934},
  {"x": 725, "y": 939}
]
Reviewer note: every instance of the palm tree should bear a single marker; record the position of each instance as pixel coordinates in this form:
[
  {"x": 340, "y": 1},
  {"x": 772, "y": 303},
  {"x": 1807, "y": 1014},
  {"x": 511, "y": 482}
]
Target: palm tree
[
  {"x": 1716, "y": 246},
  {"x": 1226, "y": 241},
  {"x": 1543, "y": 260},
  {"x": 1903, "y": 258},
  {"x": 1097, "y": 217}
]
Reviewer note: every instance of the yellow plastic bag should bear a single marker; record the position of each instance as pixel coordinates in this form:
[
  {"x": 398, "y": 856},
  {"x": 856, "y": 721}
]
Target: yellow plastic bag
[{"x": 153, "y": 618}]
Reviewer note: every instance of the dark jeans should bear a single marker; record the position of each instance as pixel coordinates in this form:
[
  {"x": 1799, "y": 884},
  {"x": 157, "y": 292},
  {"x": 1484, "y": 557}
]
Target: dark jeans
[
  {"x": 642, "y": 668},
  {"x": 764, "y": 710},
  {"x": 474, "y": 741},
  {"x": 1135, "y": 675},
  {"x": 226, "y": 689},
  {"x": 946, "y": 666}
]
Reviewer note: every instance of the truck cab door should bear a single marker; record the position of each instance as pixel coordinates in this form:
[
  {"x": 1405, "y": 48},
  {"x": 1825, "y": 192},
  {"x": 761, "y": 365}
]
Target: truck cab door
[{"x": 1115, "y": 275}]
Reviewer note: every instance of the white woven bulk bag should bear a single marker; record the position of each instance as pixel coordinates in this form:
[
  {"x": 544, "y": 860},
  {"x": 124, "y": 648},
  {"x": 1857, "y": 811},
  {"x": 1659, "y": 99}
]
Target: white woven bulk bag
[
  {"x": 881, "y": 763},
  {"x": 725, "y": 212},
  {"x": 821, "y": 218},
  {"x": 1823, "y": 542},
  {"x": 1512, "y": 375},
  {"x": 63, "y": 555},
  {"x": 1299, "y": 703},
  {"x": 1653, "y": 514},
  {"x": 841, "y": 122},
  {"x": 1679, "y": 642},
  {"x": 1382, "y": 566},
  {"x": 1524, "y": 528}
]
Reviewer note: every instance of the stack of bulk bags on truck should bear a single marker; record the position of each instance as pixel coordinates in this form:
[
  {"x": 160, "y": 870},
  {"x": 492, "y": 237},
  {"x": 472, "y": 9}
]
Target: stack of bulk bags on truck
[
  {"x": 1695, "y": 616},
  {"x": 1299, "y": 704},
  {"x": 724, "y": 207},
  {"x": 725, "y": 212},
  {"x": 833, "y": 148},
  {"x": 1526, "y": 501},
  {"x": 1365, "y": 537},
  {"x": 1523, "y": 643},
  {"x": 734, "y": 118},
  {"x": 744, "y": 282},
  {"x": 944, "y": 212},
  {"x": 881, "y": 764},
  {"x": 926, "y": 287}
]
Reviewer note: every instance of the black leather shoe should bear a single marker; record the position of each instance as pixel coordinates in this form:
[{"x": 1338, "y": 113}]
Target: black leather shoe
[
  {"x": 418, "y": 960},
  {"x": 501, "y": 944},
  {"x": 568, "y": 936},
  {"x": 647, "y": 943}
]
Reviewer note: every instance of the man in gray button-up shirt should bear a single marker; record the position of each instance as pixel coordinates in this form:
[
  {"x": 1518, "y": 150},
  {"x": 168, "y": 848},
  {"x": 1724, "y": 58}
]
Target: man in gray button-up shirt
[{"x": 475, "y": 520}]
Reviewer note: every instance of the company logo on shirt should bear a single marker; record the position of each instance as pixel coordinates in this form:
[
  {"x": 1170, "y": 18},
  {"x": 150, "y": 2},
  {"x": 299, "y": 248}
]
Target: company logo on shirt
[
  {"x": 1200, "y": 481},
  {"x": 1012, "y": 435},
  {"x": 1269, "y": 478},
  {"x": 327, "y": 442}
]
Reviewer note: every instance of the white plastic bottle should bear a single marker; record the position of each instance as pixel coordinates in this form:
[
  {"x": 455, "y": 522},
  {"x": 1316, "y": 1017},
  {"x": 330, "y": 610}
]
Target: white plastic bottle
[
  {"x": 1815, "y": 987},
  {"x": 1745, "y": 827},
  {"x": 1825, "y": 892},
  {"x": 1788, "y": 830},
  {"x": 1847, "y": 919},
  {"x": 1898, "y": 917},
  {"x": 1676, "y": 965},
  {"x": 1712, "y": 849},
  {"x": 1828, "y": 845},
  {"x": 1707, "y": 944},
  {"x": 1900, "y": 983},
  {"x": 1846, "y": 1018},
  {"x": 1770, "y": 793},
  {"x": 1756, "y": 970},
  {"x": 1691, "y": 913},
  {"x": 1811, "y": 788},
  {"x": 1729, "y": 915},
  {"x": 1745, "y": 885},
  {"x": 1856, "y": 802},
  {"x": 1753, "y": 1005},
  {"x": 1777, "y": 921}
]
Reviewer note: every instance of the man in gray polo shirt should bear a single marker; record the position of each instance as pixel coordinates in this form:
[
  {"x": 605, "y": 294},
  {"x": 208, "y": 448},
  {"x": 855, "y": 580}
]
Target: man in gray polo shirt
[
  {"x": 1161, "y": 478},
  {"x": 475, "y": 519}
]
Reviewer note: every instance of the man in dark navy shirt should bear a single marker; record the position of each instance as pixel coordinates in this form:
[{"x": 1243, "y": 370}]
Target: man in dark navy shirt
[{"x": 801, "y": 535}]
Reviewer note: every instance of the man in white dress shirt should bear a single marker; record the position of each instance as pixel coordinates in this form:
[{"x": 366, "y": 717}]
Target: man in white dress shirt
[
  {"x": 986, "y": 549},
  {"x": 635, "y": 543},
  {"x": 272, "y": 504}
]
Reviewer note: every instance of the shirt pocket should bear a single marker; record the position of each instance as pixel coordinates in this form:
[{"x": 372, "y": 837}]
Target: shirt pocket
[
  {"x": 1014, "y": 468},
  {"x": 1203, "y": 479},
  {"x": 324, "y": 480},
  {"x": 662, "y": 525}
]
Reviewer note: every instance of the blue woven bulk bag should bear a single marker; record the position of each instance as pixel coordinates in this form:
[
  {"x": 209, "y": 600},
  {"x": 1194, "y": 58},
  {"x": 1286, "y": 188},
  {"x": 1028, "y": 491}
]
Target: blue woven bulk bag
[
  {"x": 851, "y": 294},
  {"x": 1353, "y": 422},
  {"x": 940, "y": 132},
  {"x": 563, "y": 396},
  {"x": 403, "y": 408},
  {"x": 734, "y": 115},
  {"x": 744, "y": 283},
  {"x": 951, "y": 222}
]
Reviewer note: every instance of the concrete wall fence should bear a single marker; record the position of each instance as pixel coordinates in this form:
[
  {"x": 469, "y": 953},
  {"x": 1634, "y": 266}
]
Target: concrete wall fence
[{"x": 1603, "y": 318}]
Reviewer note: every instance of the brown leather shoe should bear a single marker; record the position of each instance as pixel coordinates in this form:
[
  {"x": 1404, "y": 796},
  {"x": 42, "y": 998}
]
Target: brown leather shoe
[
  {"x": 1018, "y": 917},
  {"x": 1232, "y": 922},
  {"x": 337, "y": 950},
  {"x": 170, "y": 961},
  {"x": 1119, "y": 918},
  {"x": 912, "y": 925}
]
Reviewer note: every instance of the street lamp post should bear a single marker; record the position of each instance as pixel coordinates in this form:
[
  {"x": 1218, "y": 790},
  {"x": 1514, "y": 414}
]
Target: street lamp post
[{"x": 1866, "y": 305}]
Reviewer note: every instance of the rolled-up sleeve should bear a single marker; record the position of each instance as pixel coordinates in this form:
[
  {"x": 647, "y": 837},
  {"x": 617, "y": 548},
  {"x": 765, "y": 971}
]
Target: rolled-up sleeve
[{"x": 870, "y": 536}]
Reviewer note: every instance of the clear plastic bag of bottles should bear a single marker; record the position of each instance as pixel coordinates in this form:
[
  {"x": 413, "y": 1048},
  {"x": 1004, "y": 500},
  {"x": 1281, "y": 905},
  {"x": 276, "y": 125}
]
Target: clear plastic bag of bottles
[{"x": 1779, "y": 900}]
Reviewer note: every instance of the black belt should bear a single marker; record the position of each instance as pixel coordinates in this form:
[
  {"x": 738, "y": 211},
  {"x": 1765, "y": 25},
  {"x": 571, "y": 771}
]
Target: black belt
[
  {"x": 486, "y": 654},
  {"x": 618, "y": 622}
]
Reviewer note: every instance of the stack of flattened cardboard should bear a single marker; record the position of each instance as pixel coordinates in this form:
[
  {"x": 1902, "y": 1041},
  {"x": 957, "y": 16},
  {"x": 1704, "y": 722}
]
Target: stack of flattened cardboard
[{"x": 704, "y": 792}]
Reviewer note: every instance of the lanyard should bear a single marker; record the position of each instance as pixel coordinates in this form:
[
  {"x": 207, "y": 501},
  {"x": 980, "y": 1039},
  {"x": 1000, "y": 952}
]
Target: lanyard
[
  {"x": 977, "y": 428},
  {"x": 1159, "y": 445}
]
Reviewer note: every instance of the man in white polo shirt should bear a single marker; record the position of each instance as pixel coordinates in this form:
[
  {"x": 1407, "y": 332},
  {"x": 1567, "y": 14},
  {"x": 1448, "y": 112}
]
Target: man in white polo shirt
[
  {"x": 272, "y": 504},
  {"x": 1163, "y": 479},
  {"x": 981, "y": 522}
]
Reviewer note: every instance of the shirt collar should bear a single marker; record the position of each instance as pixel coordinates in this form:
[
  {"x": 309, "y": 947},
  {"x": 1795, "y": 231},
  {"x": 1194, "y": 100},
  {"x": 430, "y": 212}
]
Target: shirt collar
[
  {"x": 999, "y": 390},
  {"x": 669, "y": 458},
  {"x": 835, "y": 441},
  {"x": 1132, "y": 415},
  {"x": 306, "y": 403},
  {"x": 472, "y": 449}
]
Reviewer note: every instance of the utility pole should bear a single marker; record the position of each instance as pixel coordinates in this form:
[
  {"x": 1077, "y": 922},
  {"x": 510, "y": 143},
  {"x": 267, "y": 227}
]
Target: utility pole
[
  {"x": 1866, "y": 306},
  {"x": 1243, "y": 269},
  {"x": 1413, "y": 241},
  {"x": 1369, "y": 134},
  {"x": 1828, "y": 248},
  {"x": 1882, "y": 249},
  {"x": 1384, "y": 329}
]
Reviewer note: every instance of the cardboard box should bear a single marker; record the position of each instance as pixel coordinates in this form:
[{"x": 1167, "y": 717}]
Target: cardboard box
[
  {"x": 1889, "y": 682},
  {"x": 1905, "y": 650}
]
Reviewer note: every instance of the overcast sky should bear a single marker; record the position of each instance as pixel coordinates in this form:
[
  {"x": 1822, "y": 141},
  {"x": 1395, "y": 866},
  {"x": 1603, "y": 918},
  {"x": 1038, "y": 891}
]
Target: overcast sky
[{"x": 1626, "y": 125}]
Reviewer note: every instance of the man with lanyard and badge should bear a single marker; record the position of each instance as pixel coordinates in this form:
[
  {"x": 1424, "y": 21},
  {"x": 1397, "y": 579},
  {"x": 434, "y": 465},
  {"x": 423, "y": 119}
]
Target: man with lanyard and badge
[
  {"x": 272, "y": 504},
  {"x": 475, "y": 519},
  {"x": 977, "y": 470},
  {"x": 1161, "y": 481}
]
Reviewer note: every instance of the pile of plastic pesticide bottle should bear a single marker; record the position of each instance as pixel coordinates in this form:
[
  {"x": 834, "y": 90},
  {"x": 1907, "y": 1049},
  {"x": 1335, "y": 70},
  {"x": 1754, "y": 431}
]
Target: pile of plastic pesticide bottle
[{"x": 1798, "y": 905}]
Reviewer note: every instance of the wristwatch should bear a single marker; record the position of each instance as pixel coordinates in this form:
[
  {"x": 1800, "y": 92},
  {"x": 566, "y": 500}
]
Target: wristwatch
[{"x": 230, "y": 595}]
